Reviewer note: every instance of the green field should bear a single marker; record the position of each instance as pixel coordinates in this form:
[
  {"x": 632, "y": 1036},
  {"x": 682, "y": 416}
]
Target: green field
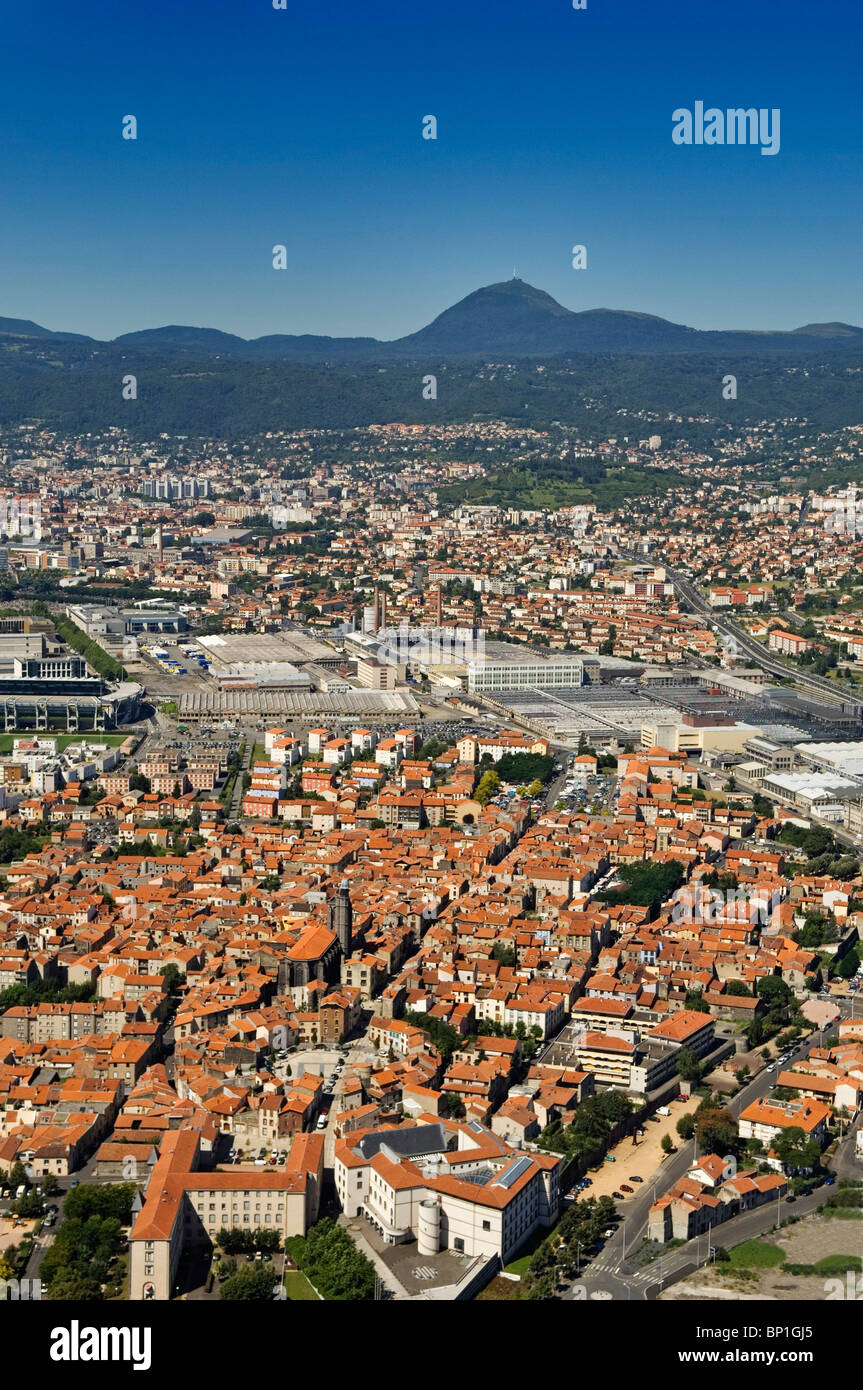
[
  {"x": 756, "y": 1254},
  {"x": 298, "y": 1288},
  {"x": 62, "y": 740}
]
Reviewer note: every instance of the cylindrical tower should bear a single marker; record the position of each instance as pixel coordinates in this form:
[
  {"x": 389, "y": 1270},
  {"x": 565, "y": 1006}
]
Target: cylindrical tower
[{"x": 428, "y": 1227}]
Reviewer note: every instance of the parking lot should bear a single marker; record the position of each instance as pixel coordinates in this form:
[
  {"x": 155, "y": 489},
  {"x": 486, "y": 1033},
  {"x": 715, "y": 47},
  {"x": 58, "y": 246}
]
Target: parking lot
[{"x": 639, "y": 1164}]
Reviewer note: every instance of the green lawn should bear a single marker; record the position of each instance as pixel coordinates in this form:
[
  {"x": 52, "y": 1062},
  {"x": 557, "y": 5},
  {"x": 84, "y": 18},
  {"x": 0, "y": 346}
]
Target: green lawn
[
  {"x": 62, "y": 740},
  {"x": 839, "y": 1264},
  {"x": 298, "y": 1288},
  {"x": 756, "y": 1254},
  {"x": 526, "y": 1252}
]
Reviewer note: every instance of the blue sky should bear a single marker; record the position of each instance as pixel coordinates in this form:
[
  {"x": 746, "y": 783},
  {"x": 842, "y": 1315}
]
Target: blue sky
[{"x": 303, "y": 127}]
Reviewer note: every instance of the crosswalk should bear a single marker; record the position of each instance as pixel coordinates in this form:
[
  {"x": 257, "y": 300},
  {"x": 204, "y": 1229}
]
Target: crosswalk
[{"x": 650, "y": 1275}]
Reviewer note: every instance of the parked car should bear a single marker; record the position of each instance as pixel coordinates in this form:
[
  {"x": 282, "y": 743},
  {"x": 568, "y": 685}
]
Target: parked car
[
  {"x": 618, "y": 1195},
  {"x": 828, "y": 1182},
  {"x": 624, "y": 1187},
  {"x": 635, "y": 1178}
]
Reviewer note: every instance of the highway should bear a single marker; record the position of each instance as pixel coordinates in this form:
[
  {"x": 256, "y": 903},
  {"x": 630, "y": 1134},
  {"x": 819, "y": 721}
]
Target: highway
[{"x": 761, "y": 654}]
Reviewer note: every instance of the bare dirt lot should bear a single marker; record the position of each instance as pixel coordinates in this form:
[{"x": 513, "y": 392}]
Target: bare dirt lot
[
  {"x": 10, "y": 1235},
  {"x": 644, "y": 1159},
  {"x": 815, "y": 1238}
]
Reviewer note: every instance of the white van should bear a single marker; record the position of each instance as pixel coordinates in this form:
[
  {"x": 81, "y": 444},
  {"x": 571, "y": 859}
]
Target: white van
[{"x": 322, "y": 1122}]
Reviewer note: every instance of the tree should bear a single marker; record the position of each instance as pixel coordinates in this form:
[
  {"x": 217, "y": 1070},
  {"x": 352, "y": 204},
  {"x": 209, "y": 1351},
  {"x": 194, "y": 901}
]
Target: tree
[
  {"x": 715, "y": 1129},
  {"x": 667, "y": 1144},
  {"x": 254, "y": 1283},
  {"x": 335, "y": 1266},
  {"x": 848, "y": 966},
  {"x": 794, "y": 1150},
  {"x": 75, "y": 1287},
  {"x": 688, "y": 1065},
  {"x": 685, "y": 1126},
  {"x": 18, "y": 1175},
  {"x": 173, "y": 977},
  {"x": 489, "y": 786},
  {"x": 773, "y": 989},
  {"x": 646, "y": 883}
]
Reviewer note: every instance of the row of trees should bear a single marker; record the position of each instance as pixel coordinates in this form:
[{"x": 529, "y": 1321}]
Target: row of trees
[
  {"x": 47, "y": 990},
  {"x": 575, "y": 1238},
  {"x": 95, "y": 656},
  {"x": 236, "y": 1241}
]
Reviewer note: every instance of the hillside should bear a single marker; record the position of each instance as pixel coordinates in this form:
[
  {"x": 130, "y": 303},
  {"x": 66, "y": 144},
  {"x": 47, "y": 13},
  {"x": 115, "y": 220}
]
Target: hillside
[{"x": 510, "y": 319}]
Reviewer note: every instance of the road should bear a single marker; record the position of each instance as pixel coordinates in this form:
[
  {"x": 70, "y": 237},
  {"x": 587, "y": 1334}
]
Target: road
[
  {"x": 761, "y": 654},
  {"x": 233, "y": 811},
  {"x": 648, "y": 1283},
  {"x": 609, "y": 1272}
]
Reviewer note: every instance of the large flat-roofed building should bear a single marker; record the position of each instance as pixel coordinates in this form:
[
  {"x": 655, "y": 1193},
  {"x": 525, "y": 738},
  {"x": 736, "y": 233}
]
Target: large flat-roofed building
[
  {"x": 106, "y": 624},
  {"x": 268, "y": 649},
  {"x": 505, "y": 667},
  {"x": 375, "y": 675},
  {"x": 28, "y": 666},
  {"x": 680, "y": 737},
  {"x": 824, "y": 793},
  {"x": 845, "y": 759},
  {"x": 774, "y": 757}
]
